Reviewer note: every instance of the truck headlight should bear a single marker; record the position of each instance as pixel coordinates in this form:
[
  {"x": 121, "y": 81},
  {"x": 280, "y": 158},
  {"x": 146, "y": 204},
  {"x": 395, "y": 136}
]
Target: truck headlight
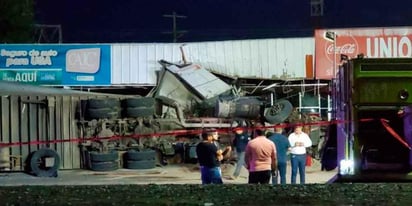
[{"x": 346, "y": 167}]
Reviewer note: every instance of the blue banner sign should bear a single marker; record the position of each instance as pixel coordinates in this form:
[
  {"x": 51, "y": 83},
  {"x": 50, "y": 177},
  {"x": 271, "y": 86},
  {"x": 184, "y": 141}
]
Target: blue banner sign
[{"x": 56, "y": 64}]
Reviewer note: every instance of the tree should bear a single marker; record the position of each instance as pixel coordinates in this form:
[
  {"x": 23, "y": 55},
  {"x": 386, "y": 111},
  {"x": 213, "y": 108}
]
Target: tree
[{"x": 16, "y": 21}]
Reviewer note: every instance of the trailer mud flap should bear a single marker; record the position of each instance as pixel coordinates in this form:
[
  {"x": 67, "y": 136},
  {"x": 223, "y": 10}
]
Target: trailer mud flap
[{"x": 329, "y": 151}]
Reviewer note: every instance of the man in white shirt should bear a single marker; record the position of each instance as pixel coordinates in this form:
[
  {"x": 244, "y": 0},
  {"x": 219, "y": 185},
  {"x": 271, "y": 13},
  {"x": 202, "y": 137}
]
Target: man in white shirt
[{"x": 299, "y": 141}]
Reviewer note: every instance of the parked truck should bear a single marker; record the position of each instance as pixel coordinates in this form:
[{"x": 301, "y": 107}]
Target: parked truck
[{"x": 370, "y": 137}]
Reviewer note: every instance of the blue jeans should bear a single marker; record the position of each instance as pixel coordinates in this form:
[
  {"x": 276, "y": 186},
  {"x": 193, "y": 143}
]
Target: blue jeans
[
  {"x": 298, "y": 162},
  {"x": 282, "y": 174},
  {"x": 240, "y": 163},
  {"x": 211, "y": 175}
]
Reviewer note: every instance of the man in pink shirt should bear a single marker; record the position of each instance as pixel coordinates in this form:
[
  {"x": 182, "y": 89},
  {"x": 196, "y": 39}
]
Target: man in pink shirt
[{"x": 260, "y": 158}]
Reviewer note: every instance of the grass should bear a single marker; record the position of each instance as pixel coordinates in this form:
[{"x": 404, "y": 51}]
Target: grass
[{"x": 310, "y": 194}]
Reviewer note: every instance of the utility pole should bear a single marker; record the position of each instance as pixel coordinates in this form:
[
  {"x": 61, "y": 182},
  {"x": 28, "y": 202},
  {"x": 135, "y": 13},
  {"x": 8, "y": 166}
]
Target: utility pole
[
  {"x": 176, "y": 34},
  {"x": 44, "y": 33}
]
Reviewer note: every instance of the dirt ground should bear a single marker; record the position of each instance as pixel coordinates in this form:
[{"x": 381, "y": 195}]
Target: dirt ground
[{"x": 170, "y": 174}]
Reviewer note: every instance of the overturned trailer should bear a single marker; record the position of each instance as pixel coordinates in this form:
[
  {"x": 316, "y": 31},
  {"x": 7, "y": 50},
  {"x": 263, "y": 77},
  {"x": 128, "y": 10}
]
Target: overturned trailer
[
  {"x": 187, "y": 99},
  {"x": 102, "y": 132}
]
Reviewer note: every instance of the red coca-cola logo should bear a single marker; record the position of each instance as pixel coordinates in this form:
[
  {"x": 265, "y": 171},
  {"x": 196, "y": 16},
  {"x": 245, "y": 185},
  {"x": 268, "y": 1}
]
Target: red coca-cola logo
[
  {"x": 346, "y": 45},
  {"x": 343, "y": 49}
]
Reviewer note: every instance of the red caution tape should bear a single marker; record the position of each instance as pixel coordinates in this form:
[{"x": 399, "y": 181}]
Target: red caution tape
[
  {"x": 186, "y": 132},
  {"x": 393, "y": 133}
]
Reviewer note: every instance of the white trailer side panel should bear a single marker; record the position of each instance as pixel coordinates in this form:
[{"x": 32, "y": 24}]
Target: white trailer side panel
[{"x": 136, "y": 64}]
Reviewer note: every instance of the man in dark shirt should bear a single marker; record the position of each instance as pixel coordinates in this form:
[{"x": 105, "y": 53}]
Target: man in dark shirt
[
  {"x": 209, "y": 158},
  {"x": 240, "y": 142},
  {"x": 282, "y": 147}
]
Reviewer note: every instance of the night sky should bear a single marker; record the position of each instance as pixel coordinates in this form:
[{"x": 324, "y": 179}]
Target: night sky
[{"x": 110, "y": 21}]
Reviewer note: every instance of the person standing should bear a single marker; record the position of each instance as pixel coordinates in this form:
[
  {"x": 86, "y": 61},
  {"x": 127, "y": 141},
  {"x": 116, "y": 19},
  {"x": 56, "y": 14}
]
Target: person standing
[
  {"x": 209, "y": 158},
  {"x": 240, "y": 142},
  {"x": 226, "y": 151},
  {"x": 282, "y": 148},
  {"x": 298, "y": 141},
  {"x": 260, "y": 158}
]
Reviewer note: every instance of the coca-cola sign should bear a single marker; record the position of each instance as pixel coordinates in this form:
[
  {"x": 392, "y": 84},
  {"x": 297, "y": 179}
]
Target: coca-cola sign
[
  {"x": 343, "y": 49},
  {"x": 346, "y": 46},
  {"x": 372, "y": 42}
]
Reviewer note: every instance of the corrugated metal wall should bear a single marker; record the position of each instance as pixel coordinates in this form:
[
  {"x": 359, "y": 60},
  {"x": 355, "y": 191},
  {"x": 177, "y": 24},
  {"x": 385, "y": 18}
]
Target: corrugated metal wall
[
  {"x": 25, "y": 119},
  {"x": 276, "y": 58}
]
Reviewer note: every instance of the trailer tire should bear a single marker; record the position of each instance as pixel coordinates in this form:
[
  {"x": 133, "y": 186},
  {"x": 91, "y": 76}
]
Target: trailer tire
[
  {"x": 104, "y": 166},
  {"x": 37, "y": 161},
  {"x": 139, "y": 102},
  {"x": 103, "y": 103},
  {"x": 102, "y": 113},
  {"x": 104, "y": 157},
  {"x": 135, "y": 112},
  {"x": 279, "y": 112},
  {"x": 133, "y": 155},
  {"x": 142, "y": 164}
]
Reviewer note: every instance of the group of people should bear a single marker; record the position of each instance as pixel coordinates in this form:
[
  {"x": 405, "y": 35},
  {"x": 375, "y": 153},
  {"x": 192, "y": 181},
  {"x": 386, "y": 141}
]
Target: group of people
[{"x": 264, "y": 156}]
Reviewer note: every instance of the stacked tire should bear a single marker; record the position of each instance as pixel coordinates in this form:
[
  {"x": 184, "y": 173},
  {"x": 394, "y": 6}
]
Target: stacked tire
[
  {"x": 138, "y": 107},
  {"x": 145, "y": 159},
  {"x": 104, "y": 161},
  {"x": 108, "y": 108}
]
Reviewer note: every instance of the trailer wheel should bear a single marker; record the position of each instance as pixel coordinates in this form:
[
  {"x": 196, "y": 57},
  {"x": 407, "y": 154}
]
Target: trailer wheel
[
  {"x": 279, "y": 112},
  {"x": 135, "y": 112},
  {"x": 103, "y": 103},
  {"x": 104, "y": 157},
  {"x": 44, "y": 163},
  {"x": 134, "y": 155},
  {"x": 139, "y": 102},
  {"x": 142, "y": 164},
  {"x": 103, "y": 113},
  {"x": 104, "y": 166}
]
